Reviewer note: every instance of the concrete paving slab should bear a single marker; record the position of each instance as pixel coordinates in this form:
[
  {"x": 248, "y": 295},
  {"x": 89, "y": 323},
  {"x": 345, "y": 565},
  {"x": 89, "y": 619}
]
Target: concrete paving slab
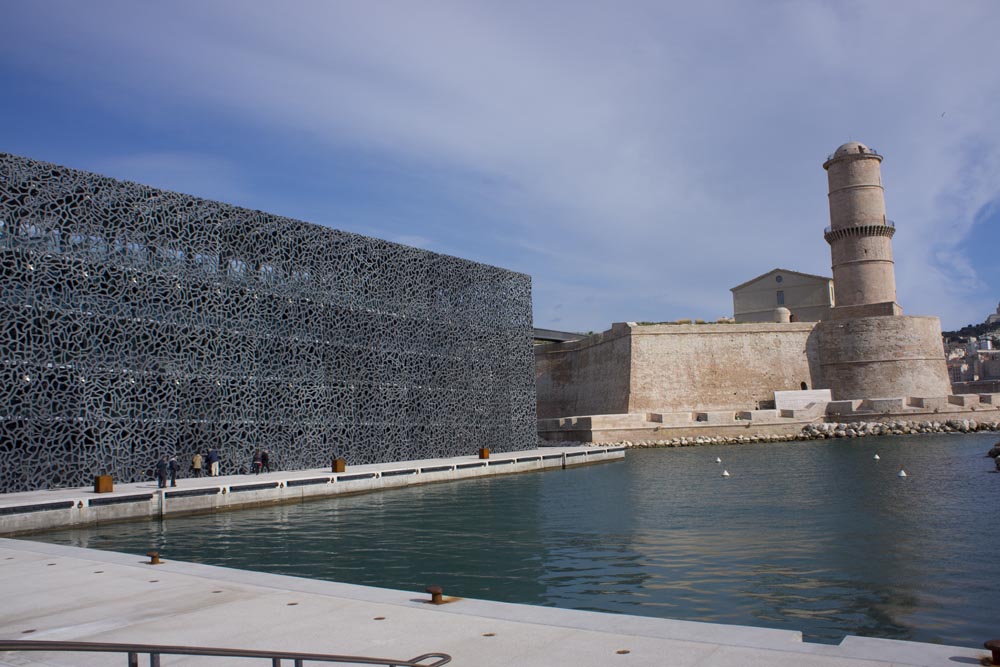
[{"x": 57, "y": 592}]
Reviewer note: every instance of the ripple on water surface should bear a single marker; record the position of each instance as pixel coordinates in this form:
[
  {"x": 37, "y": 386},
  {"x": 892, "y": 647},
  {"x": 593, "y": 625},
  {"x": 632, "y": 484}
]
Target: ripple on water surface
[{"x": 811, "y": 536}]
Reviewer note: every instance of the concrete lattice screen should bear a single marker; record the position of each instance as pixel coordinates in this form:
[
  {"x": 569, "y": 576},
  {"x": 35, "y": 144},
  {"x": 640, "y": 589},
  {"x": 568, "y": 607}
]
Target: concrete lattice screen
[{"x": 138, "y": 322}]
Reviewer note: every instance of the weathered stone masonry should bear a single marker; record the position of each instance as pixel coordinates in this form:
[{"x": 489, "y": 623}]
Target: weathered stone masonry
[{"x": 670, "y": 368}]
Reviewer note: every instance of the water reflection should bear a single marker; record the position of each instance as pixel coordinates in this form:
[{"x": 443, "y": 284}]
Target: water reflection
[{"x": 813, "y": 536}]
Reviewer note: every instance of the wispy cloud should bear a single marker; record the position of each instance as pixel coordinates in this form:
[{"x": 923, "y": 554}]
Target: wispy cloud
[
  {"x": 650, "y": 158},
  {"x": 191, "y": 173}
]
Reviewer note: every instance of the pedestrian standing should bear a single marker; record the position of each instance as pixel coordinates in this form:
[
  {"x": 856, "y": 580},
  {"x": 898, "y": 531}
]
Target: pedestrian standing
[
  {"x": 256, "y": 463},
  {"x": 161, "y": 472},
  {"x": 213, "y": 462},
  {"x": 196, "y": 462},
  {"x": 265, "y": 461},
  {"x": 174, "y": 467}
]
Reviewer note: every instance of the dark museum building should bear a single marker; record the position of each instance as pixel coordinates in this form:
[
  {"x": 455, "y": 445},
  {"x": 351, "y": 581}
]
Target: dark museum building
[{"x": 138, "y": 322}]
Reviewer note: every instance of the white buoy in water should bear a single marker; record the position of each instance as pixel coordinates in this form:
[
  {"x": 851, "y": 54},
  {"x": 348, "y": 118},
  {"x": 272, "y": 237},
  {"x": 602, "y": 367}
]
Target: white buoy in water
[
  {"x": 902, "y": 473},
  {"x": 876, "y": 457},
  {"x": 718, "y": 460},
  {"x": 725, "y": 473}
]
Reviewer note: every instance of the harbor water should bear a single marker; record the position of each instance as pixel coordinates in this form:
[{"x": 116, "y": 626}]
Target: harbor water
[{"x": 816, "y": 536}]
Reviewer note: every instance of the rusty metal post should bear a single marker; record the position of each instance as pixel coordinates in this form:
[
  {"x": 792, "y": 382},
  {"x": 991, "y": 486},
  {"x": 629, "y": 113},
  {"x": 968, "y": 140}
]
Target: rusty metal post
[
  {"x": 103, "y": 484},
  {"x": 484, "y": 452},
  {"x": 436, "y": 596},
  {"x": 994, "y": 645},
  {"x": 154, "y": 557}
]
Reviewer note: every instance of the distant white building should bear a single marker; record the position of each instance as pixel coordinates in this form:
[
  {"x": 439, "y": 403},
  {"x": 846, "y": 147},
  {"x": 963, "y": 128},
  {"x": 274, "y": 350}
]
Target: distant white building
[
  {"x": 994, "y": 318},
  {"x": 808, "y": 297}
]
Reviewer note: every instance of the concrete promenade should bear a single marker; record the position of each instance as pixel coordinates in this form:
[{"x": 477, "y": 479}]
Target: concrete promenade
[
  {"x": 30, "y": 511},
  {"x": 55, "y": 592}
]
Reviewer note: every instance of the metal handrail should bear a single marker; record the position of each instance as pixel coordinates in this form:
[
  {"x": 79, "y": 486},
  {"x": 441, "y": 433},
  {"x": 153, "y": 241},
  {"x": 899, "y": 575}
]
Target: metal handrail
[{"x": 155, "y": 651}]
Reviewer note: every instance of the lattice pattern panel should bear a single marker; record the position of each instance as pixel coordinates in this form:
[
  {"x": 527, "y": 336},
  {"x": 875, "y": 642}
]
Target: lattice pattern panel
[{"x": 137, "y": 322}]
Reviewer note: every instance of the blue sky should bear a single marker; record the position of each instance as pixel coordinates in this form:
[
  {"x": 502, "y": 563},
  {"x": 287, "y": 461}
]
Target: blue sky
[{"x": 637, "y": 159}]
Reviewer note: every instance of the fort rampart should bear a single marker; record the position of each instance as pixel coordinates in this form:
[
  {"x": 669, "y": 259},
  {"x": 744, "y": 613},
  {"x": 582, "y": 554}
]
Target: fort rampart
[
  {"x": 632, "y": 368},
  {"x": 869, "y": 357}
]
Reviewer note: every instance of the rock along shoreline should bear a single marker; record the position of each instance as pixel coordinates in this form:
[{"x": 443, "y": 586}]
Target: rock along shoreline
[{"x": 824, "y": 431}]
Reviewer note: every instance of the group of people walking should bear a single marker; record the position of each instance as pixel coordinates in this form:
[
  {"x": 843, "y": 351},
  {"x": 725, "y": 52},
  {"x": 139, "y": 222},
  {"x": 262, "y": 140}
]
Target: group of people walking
[
  {"x": 212, "y": 459},
  {"x": 208, "y": 462},
  {"x": 261, "y": 462},
  {"x": 165, "y": 468}
]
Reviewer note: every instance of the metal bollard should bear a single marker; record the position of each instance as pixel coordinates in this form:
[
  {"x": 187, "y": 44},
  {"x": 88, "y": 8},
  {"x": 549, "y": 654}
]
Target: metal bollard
[
  {"x": 994, "y": 645},
  {"x": 436, "y": 595},
  {"x": 154, "y": 557}
]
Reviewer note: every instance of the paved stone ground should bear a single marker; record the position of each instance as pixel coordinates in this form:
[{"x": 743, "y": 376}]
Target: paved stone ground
[{"x": 55, "y": 592}]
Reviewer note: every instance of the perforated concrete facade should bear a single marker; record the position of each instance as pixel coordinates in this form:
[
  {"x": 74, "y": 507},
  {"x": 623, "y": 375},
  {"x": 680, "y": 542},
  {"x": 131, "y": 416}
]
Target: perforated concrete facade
[{"x": 137, "y": 322}]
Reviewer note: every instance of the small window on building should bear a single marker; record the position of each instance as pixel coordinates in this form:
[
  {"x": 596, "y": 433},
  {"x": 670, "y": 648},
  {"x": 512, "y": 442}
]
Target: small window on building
[
  {"x": 781, "y": 297},
  {"x": 778, "y": 279}
]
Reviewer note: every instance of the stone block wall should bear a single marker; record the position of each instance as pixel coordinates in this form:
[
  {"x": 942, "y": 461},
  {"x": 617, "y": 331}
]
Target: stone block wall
[
  {"x": 877, "y": 357},
  {"x": 668, "y": 368},
  {"x": 585, "y": 377},
  {"x": 719, "y": 366}
]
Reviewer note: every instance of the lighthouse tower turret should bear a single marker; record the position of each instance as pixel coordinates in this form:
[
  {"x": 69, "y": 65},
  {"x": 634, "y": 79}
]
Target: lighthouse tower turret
[
  {"x": 860, "y": 236},
  {"x": 867, "y": 347}
]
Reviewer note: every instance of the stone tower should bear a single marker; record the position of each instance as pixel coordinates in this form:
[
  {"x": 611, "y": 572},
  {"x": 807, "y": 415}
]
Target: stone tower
[
  {"x": 867, "y": 348},
  {"x": 860, "y": 237}
]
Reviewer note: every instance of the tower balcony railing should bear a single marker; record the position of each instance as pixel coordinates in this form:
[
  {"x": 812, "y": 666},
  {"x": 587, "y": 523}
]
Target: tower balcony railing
[
  {"x": 870, "y": 151},
  {"x": 887, "y": 223}
]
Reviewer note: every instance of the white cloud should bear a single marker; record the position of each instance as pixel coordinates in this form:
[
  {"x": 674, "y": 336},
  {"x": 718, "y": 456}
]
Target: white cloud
[{"x": 653, "y": 155}]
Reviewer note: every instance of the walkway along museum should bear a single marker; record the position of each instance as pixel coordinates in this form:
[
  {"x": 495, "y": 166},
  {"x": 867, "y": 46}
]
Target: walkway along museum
[{"x": 138, "y": 322}]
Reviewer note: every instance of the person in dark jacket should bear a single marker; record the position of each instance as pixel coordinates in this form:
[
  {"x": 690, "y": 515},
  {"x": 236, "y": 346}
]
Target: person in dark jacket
[
  {"x": 265, "y": 461},
  {"x": 213, "y": 462},
  {"x": 161, "y": 472},
  {"x": 174, "y": 467}
]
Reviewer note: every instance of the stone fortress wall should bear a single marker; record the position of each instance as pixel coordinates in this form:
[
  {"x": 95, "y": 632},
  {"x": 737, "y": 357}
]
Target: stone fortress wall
[
  {"x": 720, "y": 366},
  {"x": 138, "y": 322},
  {"x": 668, "y": 368},
  {"x": 870, "y": 357},
  {"x": 585, "y": 377},
  {"x": 688, "y": 377}
]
